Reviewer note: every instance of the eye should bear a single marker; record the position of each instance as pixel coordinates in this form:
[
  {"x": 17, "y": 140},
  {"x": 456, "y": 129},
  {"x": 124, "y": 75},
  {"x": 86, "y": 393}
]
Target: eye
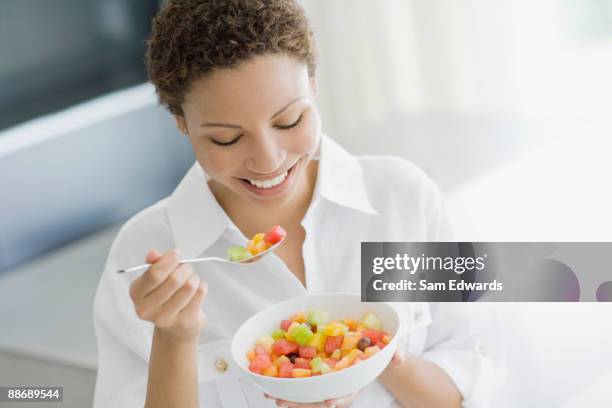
[
  {"x": 231, "y": 142},
  {"x": 294, "y": 124}
]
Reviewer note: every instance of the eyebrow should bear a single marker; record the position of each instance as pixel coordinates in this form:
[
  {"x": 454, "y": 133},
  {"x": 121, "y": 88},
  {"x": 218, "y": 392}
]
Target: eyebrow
[{"x": 232, "y": 126}]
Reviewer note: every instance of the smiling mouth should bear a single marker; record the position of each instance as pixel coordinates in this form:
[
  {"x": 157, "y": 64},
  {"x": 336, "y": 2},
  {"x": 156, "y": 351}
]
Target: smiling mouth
[{"x": 270, "y": 183}]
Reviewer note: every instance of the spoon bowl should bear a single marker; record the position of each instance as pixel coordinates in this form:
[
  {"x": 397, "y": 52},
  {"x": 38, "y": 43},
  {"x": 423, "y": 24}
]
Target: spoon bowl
[{"x": 246, "y": 261}]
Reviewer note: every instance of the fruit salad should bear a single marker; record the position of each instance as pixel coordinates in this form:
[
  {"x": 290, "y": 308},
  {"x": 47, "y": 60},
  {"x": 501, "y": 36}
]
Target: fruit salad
[
  {"x": 258, "y": 244},
  {"x": 308, "y": 344}
]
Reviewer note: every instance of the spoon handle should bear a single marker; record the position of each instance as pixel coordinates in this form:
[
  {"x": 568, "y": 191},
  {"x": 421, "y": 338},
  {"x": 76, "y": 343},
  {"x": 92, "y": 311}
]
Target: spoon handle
[{"x": 146, "y": 266}]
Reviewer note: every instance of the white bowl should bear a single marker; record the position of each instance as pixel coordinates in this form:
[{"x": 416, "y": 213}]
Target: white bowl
[{"x": 321, "y": 387}]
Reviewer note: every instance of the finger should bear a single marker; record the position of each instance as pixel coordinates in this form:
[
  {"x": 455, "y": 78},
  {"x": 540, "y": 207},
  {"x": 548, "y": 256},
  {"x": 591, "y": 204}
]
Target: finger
[
  {"x": 182, "y": 297},
  {"x": 173, "y": 283},
  {"x": 157, "y": 273},
  {"x": 341, "y": 402},
  {"x": 398, "y": 359},
  {"x": 153, "y": 256},
  {"x": 289, "y": 404},
  {"x": 196, "y": 300}
]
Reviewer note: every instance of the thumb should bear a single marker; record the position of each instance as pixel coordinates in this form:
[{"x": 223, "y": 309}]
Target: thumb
[
  {"x": 153, "y": 256},
  {"x": 398, "y": 358}
]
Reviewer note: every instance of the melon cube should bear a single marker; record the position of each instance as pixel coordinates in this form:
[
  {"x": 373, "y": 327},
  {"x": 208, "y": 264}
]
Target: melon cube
[
  {"x": 265, "y": 341},
  {"x": 301, "y": 334},
  {"x": 317, "y": 317},
  {"x": 271, "y": 371},
  {"x": 353, "y": 354},
  {"x": 350, "y": 341},
  {"x": 288, "y": 335},
  {"x": 343, "y": 363},
  {"x": 318, "y": 341},
  {"x": 280, "y": 359},
  {"x": 237, "y": 253},
  {"x": 301, "y": 372},
  {"x": 278, "y": 334},
  {"x": 370, "y": 321},
  {"x": 370, "y": 351},
  {"x": 299, "y": 317},
  {"x": 315, "y": 365}
]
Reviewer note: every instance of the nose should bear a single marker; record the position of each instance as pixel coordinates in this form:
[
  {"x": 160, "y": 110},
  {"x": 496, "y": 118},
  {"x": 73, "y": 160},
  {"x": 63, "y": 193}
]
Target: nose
[{"x": 267, "y": 154}]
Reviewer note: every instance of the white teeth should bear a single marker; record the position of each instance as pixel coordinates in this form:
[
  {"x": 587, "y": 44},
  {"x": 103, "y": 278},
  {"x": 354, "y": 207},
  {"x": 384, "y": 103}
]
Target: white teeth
[{"x": 269, "y": 183}]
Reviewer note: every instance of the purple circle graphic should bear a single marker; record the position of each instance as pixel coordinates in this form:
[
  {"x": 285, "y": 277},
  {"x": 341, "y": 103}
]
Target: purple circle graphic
[{"x": 604, "y": 292}]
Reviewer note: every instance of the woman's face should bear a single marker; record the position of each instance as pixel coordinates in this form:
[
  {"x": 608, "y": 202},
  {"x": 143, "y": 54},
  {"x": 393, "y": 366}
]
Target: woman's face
[{"x": 254, "y": 129}]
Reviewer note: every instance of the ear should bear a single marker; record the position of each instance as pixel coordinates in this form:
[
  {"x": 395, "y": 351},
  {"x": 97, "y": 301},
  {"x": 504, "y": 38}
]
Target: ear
[
  {"x": 181, "y": 124},
  {"x": 313, "y": 85}
]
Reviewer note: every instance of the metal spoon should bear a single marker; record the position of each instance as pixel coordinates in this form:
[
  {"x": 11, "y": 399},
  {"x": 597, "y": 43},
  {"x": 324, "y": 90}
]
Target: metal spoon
[{"x": 249, "y": 260}]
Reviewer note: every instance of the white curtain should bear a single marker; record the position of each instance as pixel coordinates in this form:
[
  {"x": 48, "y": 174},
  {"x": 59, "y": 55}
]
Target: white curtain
[{"x": 466, "y": 57}]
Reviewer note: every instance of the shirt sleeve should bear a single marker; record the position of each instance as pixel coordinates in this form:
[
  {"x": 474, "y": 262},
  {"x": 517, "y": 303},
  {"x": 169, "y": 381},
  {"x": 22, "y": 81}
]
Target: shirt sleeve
[
  {"x": 453, "y": 345},
  {"x": 122, "y": 360},
  {"x": 439, "y": 224},
  {"x": 453, "y": 342}
]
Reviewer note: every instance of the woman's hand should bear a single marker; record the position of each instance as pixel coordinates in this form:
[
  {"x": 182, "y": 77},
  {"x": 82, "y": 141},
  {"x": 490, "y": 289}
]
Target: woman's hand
[
  {"x": 170, "y": 296},
  {"x": 343, "y": 402}
]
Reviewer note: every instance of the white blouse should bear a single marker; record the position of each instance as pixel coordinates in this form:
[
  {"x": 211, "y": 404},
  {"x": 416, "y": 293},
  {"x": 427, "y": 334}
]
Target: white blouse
[{"x": 356, "y": 199}]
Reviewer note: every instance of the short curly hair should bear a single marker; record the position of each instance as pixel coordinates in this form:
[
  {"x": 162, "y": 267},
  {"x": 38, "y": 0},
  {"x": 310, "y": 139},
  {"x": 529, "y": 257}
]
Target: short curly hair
[{"x": 192, "y": 38}]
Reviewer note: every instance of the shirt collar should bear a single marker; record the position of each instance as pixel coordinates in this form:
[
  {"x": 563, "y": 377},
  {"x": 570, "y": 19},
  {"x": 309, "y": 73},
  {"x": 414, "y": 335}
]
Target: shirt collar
[
  {"x": 197, "y": 220},
  {"x": 340, "y": 179}
]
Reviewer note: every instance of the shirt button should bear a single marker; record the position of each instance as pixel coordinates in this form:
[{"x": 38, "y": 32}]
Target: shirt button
[
  {"x": 482, "y": 349},
  {"x": 221, "y": 365}
]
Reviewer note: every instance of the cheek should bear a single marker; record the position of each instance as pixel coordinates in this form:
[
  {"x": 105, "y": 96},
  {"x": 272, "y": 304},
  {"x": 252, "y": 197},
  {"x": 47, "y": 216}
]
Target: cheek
[
  {"x": 214, "y": 161},
  {"x": 307, "y": 136}
]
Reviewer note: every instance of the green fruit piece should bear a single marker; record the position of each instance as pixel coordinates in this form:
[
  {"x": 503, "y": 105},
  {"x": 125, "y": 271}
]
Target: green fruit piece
[
  {"x": 317, "y": 317},
  {"x": 237, "y": 253},
  {"x": 278, "y": 334},
  {"x": 315, "y": 365},
  {"x": 325, "y": 368},
  {"x": 301, "y": 334},
  {"x": 321, "y": 328},
  {"x": 370, "y": 321}
]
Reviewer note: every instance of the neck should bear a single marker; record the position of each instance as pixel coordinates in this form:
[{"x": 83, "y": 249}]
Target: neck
[{"x": 289, "y": 215}]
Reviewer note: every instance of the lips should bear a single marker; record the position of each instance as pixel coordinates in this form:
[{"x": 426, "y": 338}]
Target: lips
[{"x": 275, "y": 186}]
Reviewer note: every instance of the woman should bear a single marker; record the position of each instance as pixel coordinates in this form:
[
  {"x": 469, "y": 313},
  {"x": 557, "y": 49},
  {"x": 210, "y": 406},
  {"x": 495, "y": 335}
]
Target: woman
[{"x": 239, "y": 78}]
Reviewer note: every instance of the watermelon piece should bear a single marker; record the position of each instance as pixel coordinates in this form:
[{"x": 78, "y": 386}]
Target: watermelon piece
[
  {"x": 307, "y": 352},
  {"x": 275, "y": 235},
  {"x": 259, "y": 363},
  {"x": 260, "y": 349},
  {"x": 283, "y": 346},
  {"x": 301, "y": 363},
  {"x": 285, "y": 369},
  {"x": 332, "y": 343},
  {"x": 374, "y": 335},
  {"x": 285, "y": 324}
]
